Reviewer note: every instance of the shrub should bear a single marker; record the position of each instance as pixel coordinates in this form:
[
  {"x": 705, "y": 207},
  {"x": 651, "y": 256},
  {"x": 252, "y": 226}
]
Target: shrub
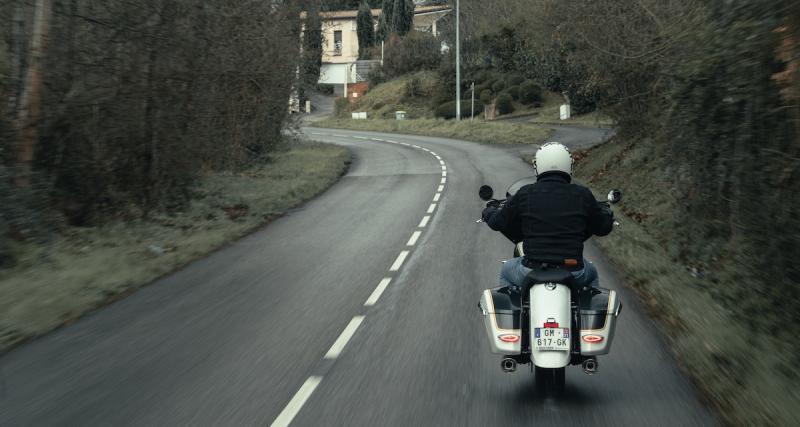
[
  {"x": 514, "y": 80},
  {"x": 415, "y": 52},
  {"x": 484, "y": 76},
  {"x": 413, "y": 88},
  {"x": 486, "y": 95},
  {"x": 376, "y": 76},
  {"x": 448, "y": 109},
  {"x": 341, "y": 106},
  {"x": 505, "y": 104},
  {"x": 498, "y": 86},
  {"x": 324, "y": 89},
  {"x": 530, "y": 93},
  {"x": 482, "y": 87},
  {"x": 513, "y": 91}
]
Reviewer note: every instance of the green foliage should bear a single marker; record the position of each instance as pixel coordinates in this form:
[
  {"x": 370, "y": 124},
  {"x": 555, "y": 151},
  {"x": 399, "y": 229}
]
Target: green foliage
[
  {"x": 504, "y": 103},
  {"x": 341, "y": 107},
  {"x": 486, "y": 95},
  {"x": 329, "y": 5},
  {"x": 514, "y": 80},
  {"x": 365, "y": 30},
  {"x": 386, "y": 21},
  {"x": 312, "y": 46},
  {"x": 402, "y": 18},
  {"x": 413, "y": 88},
  {"x": 416, "y": 52},
  {"x": 512, "y": 91},
  {"x": 382, "y": 33},
  {"x": 498, "y": 85},
  {"x": 447, "y": 110},
  {"x": 530, "y": 93}
]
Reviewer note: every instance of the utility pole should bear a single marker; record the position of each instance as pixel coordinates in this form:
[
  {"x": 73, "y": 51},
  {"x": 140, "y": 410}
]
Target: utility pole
[{"x": 458, "y": 66}]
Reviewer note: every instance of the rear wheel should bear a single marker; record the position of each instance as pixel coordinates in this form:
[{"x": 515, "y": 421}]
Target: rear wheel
[{"x": 550, "y": 380}]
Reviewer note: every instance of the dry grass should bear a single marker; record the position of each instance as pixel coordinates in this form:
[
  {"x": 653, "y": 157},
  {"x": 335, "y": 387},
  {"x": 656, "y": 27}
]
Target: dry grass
[
  {"x": 88, "y": 267},
  {"x": 477, "y": 131},
  {"x": 383, "y": 100},
  {"x": 750, "y": 378}
]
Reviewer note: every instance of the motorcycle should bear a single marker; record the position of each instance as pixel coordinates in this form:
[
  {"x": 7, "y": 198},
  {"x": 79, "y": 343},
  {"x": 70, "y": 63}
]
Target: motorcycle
[{"x": 548, "y": 322}]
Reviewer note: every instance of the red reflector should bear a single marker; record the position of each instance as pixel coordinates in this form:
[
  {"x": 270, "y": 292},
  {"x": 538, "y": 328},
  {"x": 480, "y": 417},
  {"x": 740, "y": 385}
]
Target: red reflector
[
  {"x": 550, "y": 324},
  {"x": 592, "y": 338},
  {"x": 508, "y": 337}
]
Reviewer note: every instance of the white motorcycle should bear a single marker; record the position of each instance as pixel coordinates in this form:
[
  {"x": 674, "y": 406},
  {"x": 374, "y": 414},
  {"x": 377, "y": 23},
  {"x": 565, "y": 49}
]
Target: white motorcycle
[{"x": 549, "y": 322}]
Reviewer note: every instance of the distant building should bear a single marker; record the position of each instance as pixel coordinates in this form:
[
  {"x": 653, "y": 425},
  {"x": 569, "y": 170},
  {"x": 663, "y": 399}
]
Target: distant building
[{"x": 340, "y": 62}]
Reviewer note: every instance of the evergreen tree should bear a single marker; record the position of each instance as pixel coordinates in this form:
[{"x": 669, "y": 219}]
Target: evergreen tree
[
  {"x": 402, "y": 17},
  {"x": 385, "y": 20},
  {"x": 365, "y": 28},
  {"x": 312, "y": 45},
  {"x": 383, "y": 27}
]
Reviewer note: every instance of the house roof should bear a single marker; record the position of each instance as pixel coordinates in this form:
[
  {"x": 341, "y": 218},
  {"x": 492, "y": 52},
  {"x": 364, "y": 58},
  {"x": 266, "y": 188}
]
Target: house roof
[{"x": 352, "y": 14}]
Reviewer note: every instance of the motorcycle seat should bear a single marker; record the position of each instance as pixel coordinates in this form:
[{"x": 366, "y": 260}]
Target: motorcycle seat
[{"x": 550, "y": 275}]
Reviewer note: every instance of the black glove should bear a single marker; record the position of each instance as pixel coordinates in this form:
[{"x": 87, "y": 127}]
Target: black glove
[
  {"x": 489, "y": 212},
  {"x": 605, "y": 207}
]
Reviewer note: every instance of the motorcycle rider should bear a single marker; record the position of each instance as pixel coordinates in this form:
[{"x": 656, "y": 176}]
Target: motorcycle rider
[{"x": 552, "y": 217}]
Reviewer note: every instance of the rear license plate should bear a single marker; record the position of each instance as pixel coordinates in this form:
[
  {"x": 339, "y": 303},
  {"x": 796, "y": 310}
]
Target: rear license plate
[{"x": 551, "y": 339}]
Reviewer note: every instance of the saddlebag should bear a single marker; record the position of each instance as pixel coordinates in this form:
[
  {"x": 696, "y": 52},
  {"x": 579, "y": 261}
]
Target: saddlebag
[
  {"x": 599, "y": 309},
  {"x": 501, "y": 316}
]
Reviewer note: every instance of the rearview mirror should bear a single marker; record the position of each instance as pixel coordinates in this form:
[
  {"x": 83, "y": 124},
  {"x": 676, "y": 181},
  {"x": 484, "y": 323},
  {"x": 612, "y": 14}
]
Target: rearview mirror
[
  {"x": 485, "y": 192},
  {"x": 614, "y": 196}
]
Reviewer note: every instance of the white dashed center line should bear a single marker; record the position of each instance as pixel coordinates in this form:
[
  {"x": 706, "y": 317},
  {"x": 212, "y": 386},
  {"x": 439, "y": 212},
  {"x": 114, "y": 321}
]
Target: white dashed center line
[
  {"x": 424, "y": 221},
  {"x": 399, "y": 261},
  {"x": 376, "y": 294},
  {"x": 304, "y": 393},
  {"x": 347, "y": 333},
  {"x": 290, "y": 411}
]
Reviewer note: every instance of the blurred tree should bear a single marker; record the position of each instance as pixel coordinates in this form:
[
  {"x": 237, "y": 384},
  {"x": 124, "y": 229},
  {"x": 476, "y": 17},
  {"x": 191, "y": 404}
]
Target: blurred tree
[
  {"x": 365, "y": 29},
  {"x": 313, "y": 42}
]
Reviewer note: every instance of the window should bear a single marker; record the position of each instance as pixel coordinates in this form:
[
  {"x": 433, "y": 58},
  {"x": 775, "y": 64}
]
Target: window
[{"x": 337, "y": 43}]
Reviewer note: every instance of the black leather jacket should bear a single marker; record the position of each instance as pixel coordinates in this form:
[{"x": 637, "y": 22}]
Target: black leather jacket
[{"x": 552, "y": 218}]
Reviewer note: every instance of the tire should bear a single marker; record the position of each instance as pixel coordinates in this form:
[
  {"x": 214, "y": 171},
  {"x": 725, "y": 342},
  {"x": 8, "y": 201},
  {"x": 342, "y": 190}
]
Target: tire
[{"x": 550, "y": 380}]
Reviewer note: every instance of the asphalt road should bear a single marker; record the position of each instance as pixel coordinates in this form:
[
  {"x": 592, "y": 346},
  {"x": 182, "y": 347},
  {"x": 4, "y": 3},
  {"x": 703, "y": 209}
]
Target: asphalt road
[{"x": 275, "y": 327}]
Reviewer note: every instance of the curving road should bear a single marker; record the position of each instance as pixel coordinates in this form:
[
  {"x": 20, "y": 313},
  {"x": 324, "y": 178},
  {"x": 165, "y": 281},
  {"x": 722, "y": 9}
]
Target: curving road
[{"x": 354, "y": 310}]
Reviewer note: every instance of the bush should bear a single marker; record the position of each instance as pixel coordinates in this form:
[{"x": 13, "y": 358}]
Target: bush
[
  {"x": 530, "y": 93},
  {"x": 448, "y": 109},
  {"x": 413, "y": 89},
  {"x": 324, "y": 89},
  {"x": 482, "y": 87},
  {"x": 341, "y": 106},
  {"x": 498, "y": 86},
  {"x": 486, "y": 95},
  {"x": 513, "y": 91},
  {"x": 415, "y": 52},
  {"x": 505, "y": 104},
  {"x": 376, "y": 76},
  {"x": 485, "y": 76},
  {"x": 514, "y": 80}
]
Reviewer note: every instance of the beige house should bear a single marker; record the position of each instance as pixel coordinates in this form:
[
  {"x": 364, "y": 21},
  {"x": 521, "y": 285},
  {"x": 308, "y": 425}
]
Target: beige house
[{"x": 340, "y": 63}]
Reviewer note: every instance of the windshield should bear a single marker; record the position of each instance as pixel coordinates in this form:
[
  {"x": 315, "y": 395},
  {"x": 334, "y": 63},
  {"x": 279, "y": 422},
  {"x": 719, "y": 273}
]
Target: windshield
[{"x": 513, "y": 188}]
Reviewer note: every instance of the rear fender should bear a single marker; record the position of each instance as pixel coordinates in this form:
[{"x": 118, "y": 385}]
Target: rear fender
[{"x": 547, "y": 305}]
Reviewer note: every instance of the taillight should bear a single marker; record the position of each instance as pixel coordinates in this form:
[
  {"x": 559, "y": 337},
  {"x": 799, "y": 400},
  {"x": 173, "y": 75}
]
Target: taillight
[
  {"x": 592, "y": 338},
  {"x": 508, "y": 337}
]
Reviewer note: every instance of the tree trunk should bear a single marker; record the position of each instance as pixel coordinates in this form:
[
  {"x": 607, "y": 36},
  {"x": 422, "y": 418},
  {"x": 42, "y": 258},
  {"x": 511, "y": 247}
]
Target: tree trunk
[{"x": 30, "y": 107}]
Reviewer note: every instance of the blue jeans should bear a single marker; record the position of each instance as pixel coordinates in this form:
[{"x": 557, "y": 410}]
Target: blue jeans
[{"x": 513, "y": 273}]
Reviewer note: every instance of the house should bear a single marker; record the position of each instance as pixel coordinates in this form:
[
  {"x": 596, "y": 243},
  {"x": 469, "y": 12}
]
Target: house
[{"x": 340, "y": 63}]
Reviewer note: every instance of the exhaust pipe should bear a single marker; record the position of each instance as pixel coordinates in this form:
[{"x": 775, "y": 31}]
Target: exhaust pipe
[
  {"x": 590, "y": 366},
  {"x": 508, "y": 365}
]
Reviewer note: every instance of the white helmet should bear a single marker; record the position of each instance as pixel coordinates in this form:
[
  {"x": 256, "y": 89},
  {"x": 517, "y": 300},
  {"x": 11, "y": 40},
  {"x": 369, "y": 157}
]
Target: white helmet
[{"x": 553, "y": 157}]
